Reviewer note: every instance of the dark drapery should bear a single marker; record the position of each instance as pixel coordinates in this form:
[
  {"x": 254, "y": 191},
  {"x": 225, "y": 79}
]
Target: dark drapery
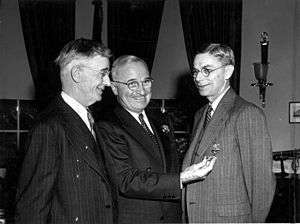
[
  {"x": 133, "y": 27},
  {"x": 98, "y": 20},
  {"x": 207, "y": 21},
  {"x": 47, "y": 26}
]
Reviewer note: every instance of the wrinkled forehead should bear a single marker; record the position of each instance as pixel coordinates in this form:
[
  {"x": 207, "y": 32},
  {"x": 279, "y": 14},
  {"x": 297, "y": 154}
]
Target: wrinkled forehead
[
  {"x": 133, "y": 70},
  {"x": 206, "y": 59}
]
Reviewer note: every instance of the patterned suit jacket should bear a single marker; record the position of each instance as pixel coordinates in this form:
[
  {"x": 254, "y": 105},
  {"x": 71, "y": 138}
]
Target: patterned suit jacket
[
  {"x": 63, "y": 179},
  {"x": 139, "y": 171},
  {"x": 241, "y": 186}
]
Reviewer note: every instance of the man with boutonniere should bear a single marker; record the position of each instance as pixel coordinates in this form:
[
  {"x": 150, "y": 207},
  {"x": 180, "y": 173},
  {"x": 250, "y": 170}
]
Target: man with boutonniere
[{"x": 241, "y": 186}]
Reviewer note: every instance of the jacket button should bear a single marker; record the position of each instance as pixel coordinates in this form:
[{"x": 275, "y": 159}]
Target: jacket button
[
  {"x": 148, "y": 169},
  {"x": 77, "y": 175},
  {"x": 76, "y": 219}
]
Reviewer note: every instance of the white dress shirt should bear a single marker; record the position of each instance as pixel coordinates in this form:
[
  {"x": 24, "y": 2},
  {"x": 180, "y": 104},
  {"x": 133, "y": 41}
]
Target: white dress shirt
[
  {"x": 217, "y": 101},
  {"x": 78, "y": 108},
  {"x": 136, "y": 116}
]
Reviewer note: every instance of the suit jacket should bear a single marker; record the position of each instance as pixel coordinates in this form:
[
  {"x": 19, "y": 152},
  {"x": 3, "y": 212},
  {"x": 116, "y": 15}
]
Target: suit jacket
[
  {"x": 241, "y": 186},
  {"x": 63, "y": 178},
  {"x": 139, "y": 171}
]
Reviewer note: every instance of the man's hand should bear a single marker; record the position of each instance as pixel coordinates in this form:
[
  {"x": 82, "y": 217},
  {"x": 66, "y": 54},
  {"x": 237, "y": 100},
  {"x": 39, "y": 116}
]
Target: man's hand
[{"x": 198, "y": 171}]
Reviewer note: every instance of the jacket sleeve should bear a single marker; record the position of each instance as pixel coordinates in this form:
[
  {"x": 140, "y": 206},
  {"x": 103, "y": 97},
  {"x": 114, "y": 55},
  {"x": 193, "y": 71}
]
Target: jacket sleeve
[
  {"x": 132, "y": 181},
  {"x": 256, "y": 154},
  {"x": 37, "y": 177}
]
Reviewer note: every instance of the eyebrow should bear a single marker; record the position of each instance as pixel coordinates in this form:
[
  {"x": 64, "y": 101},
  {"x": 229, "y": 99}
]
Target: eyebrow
[{"x": 137, "y": 80}]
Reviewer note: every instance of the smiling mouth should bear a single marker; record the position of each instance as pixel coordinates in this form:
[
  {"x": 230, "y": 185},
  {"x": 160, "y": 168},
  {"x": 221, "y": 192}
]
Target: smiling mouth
[{"x": 202, "y": 85}]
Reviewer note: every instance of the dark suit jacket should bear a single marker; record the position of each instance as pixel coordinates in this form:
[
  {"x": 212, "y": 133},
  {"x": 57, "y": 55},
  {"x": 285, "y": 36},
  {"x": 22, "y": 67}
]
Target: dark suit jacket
[
  {"x": 63, "y": 179},
  {"x": 241, "y": 186},
  {"x": 139, "y": 171}
]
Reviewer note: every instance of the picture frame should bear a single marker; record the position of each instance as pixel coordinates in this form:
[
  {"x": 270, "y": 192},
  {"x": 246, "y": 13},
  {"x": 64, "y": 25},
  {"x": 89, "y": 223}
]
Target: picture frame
[{"x": 294, "y": 112}]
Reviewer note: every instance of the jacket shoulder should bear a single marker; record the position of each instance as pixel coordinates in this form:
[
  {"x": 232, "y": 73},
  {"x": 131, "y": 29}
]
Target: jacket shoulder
[{"x": 243, "y": 109}]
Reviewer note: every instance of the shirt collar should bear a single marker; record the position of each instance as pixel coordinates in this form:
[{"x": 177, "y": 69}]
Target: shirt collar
[
  {"x": 136, "y": 115},
  {"x": 76, "y": 106},
  {"x": 216, "y": 102}
]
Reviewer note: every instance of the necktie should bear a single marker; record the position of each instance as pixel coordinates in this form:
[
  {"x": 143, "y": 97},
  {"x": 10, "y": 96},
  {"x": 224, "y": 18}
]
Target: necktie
[
  {"x": 208, "y": 115},
  {"x": 144, "y": 125},
  {"x": 91, "y": 121},
  {"x": 206, "y": 121}
]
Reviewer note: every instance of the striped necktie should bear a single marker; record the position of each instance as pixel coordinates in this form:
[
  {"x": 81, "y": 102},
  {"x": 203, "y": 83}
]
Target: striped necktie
[
  {"x": 208, "y": 115},
  {"x": 91, "y": 121}
]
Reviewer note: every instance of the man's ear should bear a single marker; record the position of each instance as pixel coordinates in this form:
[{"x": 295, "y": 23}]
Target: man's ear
[
  {"x": 229, "y": 71},
  {"x": 114, "y": 88},
  {"x": 75, "y": 74}
]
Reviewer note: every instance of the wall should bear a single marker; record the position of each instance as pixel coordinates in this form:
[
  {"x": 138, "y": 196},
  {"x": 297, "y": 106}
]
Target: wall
[{"x": 280, "y": 18}]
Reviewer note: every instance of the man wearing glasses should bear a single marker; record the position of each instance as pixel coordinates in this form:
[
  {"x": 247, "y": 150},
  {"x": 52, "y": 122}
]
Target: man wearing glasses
[
  {"x": 137, "y": 153},
  {"x": 63, "y": 177},
  {"x": 241, "y": 186}
]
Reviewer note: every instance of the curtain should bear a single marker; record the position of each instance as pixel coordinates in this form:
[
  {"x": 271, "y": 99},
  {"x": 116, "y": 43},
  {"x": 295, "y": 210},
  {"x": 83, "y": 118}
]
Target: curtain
[
  {"x": 98, "y": 20},
  {"x": 133, "y": 27},
  {"x": 219, "y": 21},
  {"x": 47, "y": 26}
]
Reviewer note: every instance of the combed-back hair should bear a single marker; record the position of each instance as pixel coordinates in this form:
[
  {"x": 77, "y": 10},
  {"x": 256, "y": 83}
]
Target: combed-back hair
[
  {"x": 221, "y": 51},
  {"x": 124, "y": 60},
  {"x": 81, "y": 48}
]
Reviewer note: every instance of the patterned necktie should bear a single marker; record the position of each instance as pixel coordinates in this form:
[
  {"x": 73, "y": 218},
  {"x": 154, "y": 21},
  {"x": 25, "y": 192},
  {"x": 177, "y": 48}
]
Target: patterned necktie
[
  {"x": 146, "y": 128},
  {"x": 91, "y": 121},
  {"x": 206, "y": 121},
  {"x": 208, "y": 115}
]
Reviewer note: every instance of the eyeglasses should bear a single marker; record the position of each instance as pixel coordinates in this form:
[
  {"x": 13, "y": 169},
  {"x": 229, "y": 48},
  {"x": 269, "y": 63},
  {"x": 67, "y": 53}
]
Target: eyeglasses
[
  {"x": 204, "y": 71},
  {"x": 134, "y": 85},
  {"x": 103, "y": 72}
]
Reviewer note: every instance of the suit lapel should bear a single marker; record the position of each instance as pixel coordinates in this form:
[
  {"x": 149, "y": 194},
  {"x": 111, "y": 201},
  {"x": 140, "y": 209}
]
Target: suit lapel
[
  {"x": 196, "y": 136},
  {"x": 80, "y": 137},
  {"x": 160, "y": 146},
  {"x": 217, "y": 123},
  {"x": 136, "y": 131}
]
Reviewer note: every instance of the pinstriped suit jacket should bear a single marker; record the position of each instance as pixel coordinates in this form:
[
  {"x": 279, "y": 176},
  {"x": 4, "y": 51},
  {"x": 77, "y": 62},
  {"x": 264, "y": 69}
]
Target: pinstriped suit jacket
[
  {"x": 63, "y": 179},
  {"x": 241, "y": 186}
]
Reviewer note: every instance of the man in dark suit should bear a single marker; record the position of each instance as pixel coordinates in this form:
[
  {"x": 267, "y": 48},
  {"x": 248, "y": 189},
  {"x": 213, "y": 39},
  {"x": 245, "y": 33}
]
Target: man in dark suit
[
  {"x": 241, "y": 186},
  {"x": 63, "y": 178},
  {"x": 137, "y": 154}
]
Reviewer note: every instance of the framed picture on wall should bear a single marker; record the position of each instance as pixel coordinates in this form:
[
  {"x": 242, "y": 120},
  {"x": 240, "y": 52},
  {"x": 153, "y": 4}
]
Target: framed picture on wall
[{"x": 294, "y": 112}]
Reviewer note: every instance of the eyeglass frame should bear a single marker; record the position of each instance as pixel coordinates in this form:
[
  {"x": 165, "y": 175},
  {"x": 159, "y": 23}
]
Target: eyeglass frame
[
  {"x": 103, "y": 72},
  {"x": 138, "y": 86},
  {"x": 209, "y": 71}
]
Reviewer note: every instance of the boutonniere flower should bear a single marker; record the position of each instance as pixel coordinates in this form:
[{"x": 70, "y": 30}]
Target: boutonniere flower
[
  {"x": 216, "y": 149},
  {"x": 165, "y": 128}
]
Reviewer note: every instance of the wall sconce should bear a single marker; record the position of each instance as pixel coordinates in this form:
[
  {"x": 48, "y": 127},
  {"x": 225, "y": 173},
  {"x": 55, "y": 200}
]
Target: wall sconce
[{"x": 261, "y": 69}]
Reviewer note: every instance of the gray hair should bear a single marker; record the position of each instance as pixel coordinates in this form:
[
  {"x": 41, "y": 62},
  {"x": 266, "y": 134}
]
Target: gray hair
[
  {"x": 80, "y": 49},
  {"x": 124, "y": 60},
  {"x": 223, "y": 52}
]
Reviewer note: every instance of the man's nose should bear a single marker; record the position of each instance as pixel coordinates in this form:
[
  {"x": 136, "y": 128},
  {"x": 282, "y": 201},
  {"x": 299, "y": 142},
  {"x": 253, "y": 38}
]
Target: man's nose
[
  {"x": 199, "y": 76},
  {"x": 141, "y": 89},
  {"x": 106, "y": 81}
]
